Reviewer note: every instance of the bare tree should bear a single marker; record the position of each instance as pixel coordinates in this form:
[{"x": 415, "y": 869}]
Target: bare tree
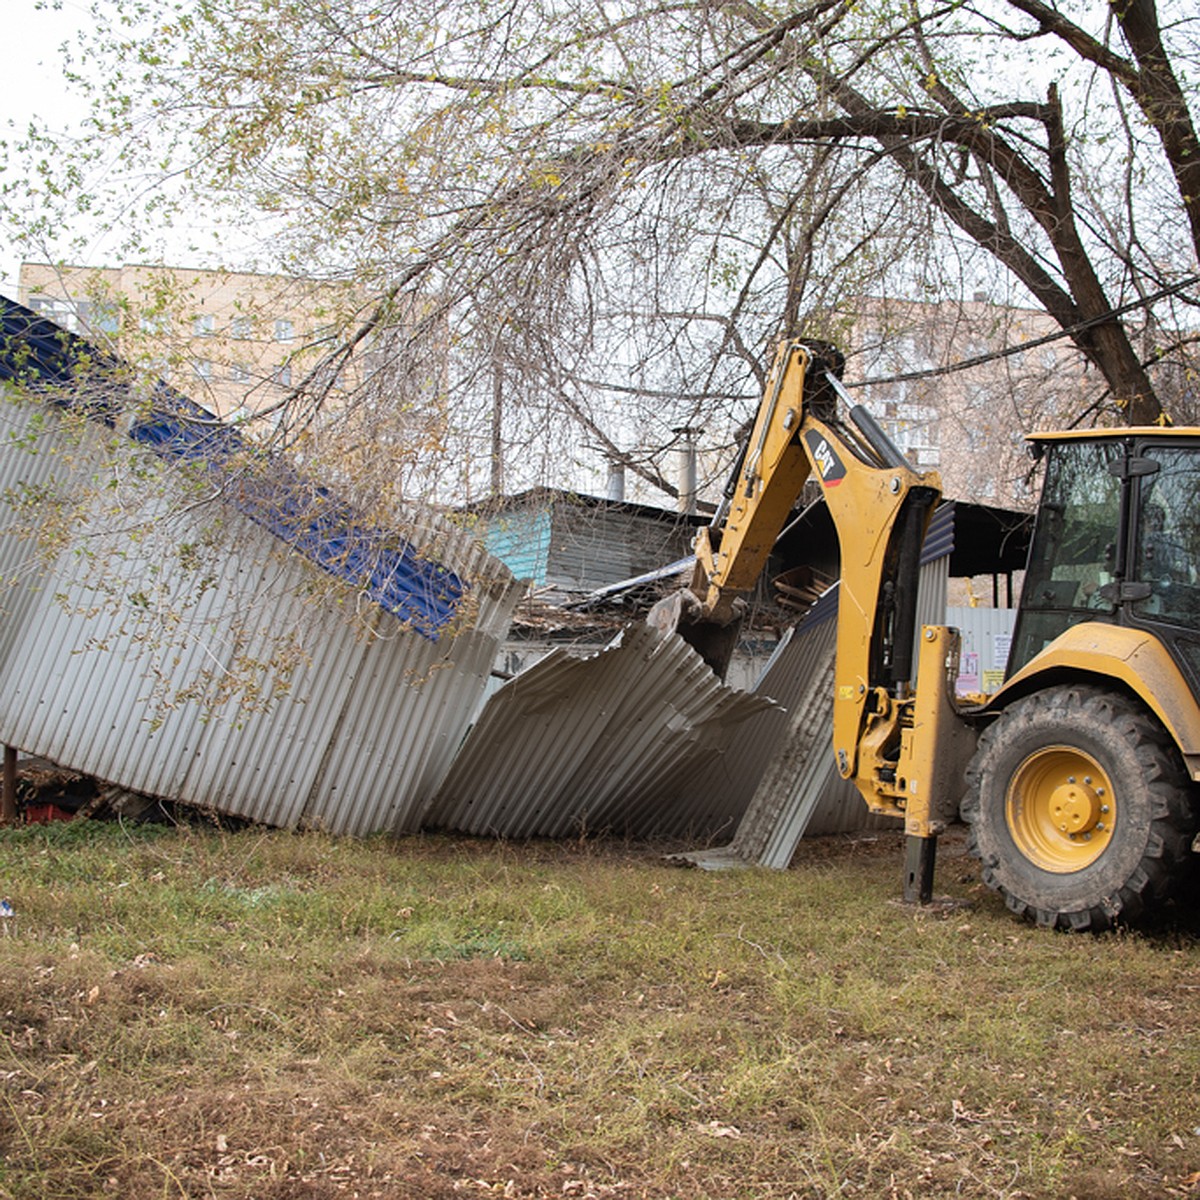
[{"x": 619, "y": 206}]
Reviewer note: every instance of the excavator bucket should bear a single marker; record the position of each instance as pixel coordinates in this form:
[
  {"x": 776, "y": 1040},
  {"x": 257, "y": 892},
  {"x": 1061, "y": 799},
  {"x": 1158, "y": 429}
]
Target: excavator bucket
[{"x": 680, "y": 613}]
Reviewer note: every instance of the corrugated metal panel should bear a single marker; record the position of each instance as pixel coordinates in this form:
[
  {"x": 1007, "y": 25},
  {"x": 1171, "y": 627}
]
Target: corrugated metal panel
[
  {"x": 803, "y": 672},
  {"x": 613, "y": 742},
  {"x": 986, "y": 640},
  {"x": 801, "y": 785},
  {"x": 817, "y": 800},
  {"x": 389, "y": 570},
  {"x": 796, "y": 789},
  {"x": 398, "y": 733},
  {"x": 939, "y": 537},
  {"x": 932, "y": 587},
  {"x": 28, "y": 474},
  {"x": 185, "y": 651},
  {"x": 86, "y": 698}
]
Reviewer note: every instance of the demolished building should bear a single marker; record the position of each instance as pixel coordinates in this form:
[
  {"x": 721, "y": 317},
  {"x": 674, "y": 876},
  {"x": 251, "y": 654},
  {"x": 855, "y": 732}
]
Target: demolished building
[{"x": 187, "y": 616}]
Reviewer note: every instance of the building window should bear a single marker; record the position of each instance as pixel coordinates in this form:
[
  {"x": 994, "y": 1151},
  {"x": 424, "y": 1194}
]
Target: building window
[
  {"x": 283, "y": 375},
  {"x": 203, "y": 325},
  {"x": 239, "y": 372},
  {"x": 202, "y": 368},
  {"x": 241, "y": 328},
  {"x": 284, "y": 330},
  {"x": 67, "y": 314}
]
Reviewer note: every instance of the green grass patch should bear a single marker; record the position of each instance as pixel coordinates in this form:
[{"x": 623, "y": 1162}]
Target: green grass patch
[{"x": 200, "y": 1013}]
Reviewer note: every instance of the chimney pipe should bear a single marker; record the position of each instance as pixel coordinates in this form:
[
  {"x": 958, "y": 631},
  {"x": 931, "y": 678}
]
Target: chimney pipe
[
  {"x": 687, "y": 469},
  {"x": 616, "y": 480}
]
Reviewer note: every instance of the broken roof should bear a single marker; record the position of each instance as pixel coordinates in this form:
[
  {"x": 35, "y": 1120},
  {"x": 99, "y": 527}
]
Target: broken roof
[{"x": 389, "y": 570}]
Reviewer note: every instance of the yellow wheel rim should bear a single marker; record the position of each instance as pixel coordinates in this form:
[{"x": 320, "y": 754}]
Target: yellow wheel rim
[{"x": 1060, "y": 809}]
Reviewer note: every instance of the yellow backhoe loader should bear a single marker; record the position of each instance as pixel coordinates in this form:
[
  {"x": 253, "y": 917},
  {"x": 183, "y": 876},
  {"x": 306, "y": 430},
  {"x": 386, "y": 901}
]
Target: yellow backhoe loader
[{"x": 1077, "y": 778}]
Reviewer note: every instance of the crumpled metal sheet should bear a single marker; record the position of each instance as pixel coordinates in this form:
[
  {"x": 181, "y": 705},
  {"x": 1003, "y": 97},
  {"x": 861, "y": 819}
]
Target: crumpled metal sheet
[
  {"x": 632, "y": 740},
  {"x": 247, "y": 646}
]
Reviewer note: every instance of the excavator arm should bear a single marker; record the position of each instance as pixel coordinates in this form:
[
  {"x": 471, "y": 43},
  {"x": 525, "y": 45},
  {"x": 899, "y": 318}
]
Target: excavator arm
[{"x": 890, "y": 746}]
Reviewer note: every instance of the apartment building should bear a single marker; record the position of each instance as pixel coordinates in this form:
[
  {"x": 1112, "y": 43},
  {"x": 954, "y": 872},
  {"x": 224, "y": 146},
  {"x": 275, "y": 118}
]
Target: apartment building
[{"x": 235, "y": 342}]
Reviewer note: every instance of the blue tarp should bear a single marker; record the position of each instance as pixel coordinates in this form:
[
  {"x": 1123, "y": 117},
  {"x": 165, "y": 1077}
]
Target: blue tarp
[{"x": 65, "y": 369}]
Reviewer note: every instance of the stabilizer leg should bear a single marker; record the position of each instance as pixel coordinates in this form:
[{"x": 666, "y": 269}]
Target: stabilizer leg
[{"x": 919, "y": 856}]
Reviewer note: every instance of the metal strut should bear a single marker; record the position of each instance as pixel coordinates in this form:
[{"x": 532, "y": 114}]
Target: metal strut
[{"x": 919, "y": 855}]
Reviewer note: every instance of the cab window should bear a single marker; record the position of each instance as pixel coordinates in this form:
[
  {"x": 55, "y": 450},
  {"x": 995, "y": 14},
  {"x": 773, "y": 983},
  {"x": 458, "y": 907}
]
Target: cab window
[{"x": 1167, "y": 538}]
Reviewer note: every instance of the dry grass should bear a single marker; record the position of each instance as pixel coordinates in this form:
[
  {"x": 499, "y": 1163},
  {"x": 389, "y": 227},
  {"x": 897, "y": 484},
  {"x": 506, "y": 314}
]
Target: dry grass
[{"x": 190, "y": 1013}]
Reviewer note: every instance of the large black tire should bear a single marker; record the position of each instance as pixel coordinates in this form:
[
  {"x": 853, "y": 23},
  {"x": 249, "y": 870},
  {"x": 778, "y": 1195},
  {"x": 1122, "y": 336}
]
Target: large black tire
[{"x": 1079, "y": 808}]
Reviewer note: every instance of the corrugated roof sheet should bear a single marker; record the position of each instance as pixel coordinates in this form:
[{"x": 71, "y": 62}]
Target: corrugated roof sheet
[
  {"x": 389, "y": 570},
  {"x": 617, "y": 741}
]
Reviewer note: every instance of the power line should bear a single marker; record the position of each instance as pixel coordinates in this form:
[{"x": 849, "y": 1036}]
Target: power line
[
  {"x": 1032, "y": 344},
  {"x": 928, "y": 373}
]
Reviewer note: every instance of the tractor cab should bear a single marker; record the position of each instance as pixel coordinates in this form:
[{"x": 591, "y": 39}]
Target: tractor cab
[{"x": 1117, "y": 540}]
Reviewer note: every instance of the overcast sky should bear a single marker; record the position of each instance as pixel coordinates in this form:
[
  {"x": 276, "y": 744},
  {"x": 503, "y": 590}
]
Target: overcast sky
[{"x": 34, "y": 88}]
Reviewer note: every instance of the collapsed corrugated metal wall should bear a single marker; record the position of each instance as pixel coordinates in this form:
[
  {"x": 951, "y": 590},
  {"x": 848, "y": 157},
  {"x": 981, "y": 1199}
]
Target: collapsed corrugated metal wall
[
  {"x": 797, "y": 791},
  {"x": 641, "y": 739},
  {"x": 185, "y": 618},
  {"x": 633, "y": 740}
]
